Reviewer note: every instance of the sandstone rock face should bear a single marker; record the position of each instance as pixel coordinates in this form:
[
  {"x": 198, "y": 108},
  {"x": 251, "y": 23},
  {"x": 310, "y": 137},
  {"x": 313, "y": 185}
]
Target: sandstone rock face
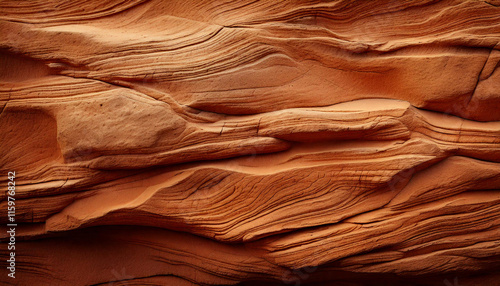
[{"x": 202, "y": 142}]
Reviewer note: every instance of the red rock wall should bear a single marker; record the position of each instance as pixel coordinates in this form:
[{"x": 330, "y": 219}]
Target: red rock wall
[{"x": 251, "y": 142}]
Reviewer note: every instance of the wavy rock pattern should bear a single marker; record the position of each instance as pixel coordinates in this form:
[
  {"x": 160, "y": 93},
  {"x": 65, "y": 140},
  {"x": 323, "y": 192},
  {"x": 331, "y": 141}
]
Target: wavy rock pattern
[{"x": 252, "y": 142}]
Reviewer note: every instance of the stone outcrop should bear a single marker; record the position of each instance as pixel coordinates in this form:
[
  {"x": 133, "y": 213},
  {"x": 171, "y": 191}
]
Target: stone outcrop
[{"x": 251, "y": 142}]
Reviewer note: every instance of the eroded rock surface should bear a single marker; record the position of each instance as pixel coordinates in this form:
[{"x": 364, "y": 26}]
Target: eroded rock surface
[{"x": 251, "y": 142}]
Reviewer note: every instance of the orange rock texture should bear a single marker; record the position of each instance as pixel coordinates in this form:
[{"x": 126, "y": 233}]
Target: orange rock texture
[{"x": 211, "y": 142}]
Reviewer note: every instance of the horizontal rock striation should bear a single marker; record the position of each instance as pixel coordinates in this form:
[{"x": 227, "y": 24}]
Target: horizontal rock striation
[{"x": 251, "y": 142}]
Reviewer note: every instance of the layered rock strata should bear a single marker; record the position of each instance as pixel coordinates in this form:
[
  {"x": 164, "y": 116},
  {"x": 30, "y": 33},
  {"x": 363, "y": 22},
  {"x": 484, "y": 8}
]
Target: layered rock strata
[{"x": 251, "y": 142}]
